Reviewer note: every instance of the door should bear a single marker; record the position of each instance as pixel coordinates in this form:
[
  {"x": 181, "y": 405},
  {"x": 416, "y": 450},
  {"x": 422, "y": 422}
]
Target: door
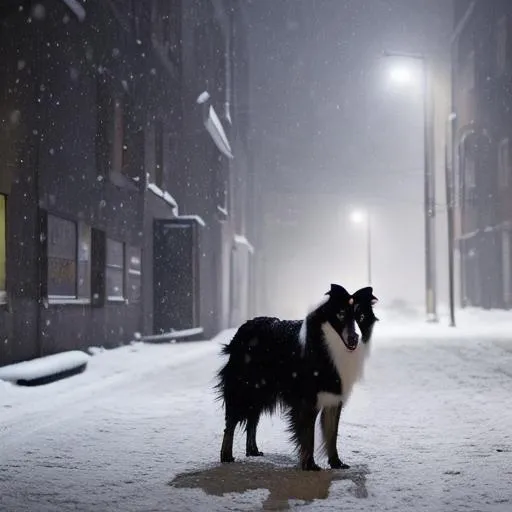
[{"x": 175, "y": 275}]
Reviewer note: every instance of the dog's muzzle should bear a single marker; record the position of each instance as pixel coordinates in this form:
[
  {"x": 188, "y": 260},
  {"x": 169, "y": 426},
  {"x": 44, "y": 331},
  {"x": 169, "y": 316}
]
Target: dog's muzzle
[{"x": 351, "y": 341}]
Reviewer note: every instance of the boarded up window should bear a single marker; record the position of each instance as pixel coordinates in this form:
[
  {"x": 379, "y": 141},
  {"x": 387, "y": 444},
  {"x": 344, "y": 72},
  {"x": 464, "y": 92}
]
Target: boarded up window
[
  {"x": 62, "y": 256},
  {"x": 502, "y": 44},
  {"x": 159, "y": 153},
  {"x": 69, "y": 259},
  {"x": 134, "y": 264},
  {"x": 114, "y": 271},
  {"x": 84, "y": 261}
]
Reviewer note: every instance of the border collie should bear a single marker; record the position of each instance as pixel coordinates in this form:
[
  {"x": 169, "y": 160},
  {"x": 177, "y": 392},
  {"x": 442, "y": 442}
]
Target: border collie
[{"x": 304, "y": 366}]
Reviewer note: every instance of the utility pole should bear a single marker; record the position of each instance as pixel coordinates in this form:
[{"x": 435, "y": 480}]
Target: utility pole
[{"x": 451, "y": 234}]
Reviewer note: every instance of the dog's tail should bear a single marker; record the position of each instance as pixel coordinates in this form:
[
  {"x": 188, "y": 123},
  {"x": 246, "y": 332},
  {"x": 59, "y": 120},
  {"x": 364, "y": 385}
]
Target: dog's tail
[
  {"x": 231, "y": 349},
  {"x": 220, "y": 386},
  {"x": 226, "y": 349}
]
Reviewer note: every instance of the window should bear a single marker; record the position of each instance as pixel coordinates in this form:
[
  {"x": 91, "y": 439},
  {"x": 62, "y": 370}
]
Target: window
[
  {"x": 62, "y": 252},
  {"x": 468, "y": 73},
  {"x": 114, "y": 271},
  {"x": 84, "y": 261},
  {"x": 134, "y": 264},
  {"x": 132, "y": 143},
  {"x": 104, "y": 127},
  {"x": 504, "y": 163},
  {"x": 119, "y": 137},
  {"x": 3, "y": 243},
  {"x": 69, "y": 260},
  {"x": 167, "y": 26},
  {"x": 501, "y": 45},
  {"x": 221, "y": 183},
  {"x": 469, "y": 173}
]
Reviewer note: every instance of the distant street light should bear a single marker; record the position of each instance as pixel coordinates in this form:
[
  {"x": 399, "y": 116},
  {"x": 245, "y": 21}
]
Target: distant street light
[
  {"x": 359, "y": 217},
  {"x": 401, "y": 74}
]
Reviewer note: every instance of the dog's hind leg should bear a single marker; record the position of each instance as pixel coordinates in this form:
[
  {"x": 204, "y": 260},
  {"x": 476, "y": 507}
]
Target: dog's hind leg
[
  {"x": 251, "y": 448},
  {"x": 329, "y": 420},
  {"x": 226, "y": 451}
]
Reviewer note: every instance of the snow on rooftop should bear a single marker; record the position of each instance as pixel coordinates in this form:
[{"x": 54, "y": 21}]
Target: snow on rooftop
[
  {"x": 242, "y": 240},
  {"x": 214, "y": 126},
  {"x": 196, "y": 218},
  {"x": 203, "y": 98},
  {"x": 163, "y": 194},
  {"x": 169, "y": 199}
]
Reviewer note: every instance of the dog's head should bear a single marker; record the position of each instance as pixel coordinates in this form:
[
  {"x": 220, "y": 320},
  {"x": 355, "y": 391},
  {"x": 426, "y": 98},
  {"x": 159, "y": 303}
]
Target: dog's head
[
  {"x": 364, "y": 300},
  {"x": 339, "y": 310}
]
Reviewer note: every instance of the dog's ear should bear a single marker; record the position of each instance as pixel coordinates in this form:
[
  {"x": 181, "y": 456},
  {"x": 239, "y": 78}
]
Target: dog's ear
[
  {"x": 366, "y": 295},
  {"x": 338, "y": 292}
]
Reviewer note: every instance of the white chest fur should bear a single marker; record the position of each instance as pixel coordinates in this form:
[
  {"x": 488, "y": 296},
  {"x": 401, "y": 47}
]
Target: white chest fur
[{"x": 349, "y": 365}]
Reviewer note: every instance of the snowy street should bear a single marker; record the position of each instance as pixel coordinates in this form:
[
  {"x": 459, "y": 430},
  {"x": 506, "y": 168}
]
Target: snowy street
[{"x": 429, "y": 429}]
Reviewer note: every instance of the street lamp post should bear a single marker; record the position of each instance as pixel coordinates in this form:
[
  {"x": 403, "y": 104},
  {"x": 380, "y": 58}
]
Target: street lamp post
[
  {"x": 359, "y": 217},
  {"x": 403, "y": 76},
  {"x": 450, "y": 206}
]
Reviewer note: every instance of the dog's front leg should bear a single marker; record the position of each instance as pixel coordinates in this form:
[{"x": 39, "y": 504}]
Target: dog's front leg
[
  {"x": 330, "y": 419},
  {"x": 306, "y": 428}
]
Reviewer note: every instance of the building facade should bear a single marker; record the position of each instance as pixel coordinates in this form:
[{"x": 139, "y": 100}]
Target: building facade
[
  {"x": 482, "y": 138},
  {"x": 117, "y": 206}
]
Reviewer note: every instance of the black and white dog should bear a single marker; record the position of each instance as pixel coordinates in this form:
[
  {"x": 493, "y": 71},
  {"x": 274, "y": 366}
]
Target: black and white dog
[{"x": 304, "y": 366}]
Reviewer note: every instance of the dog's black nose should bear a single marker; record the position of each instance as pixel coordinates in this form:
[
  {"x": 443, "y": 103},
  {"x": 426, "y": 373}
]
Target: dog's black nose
[{"x": 353, "y": 339}]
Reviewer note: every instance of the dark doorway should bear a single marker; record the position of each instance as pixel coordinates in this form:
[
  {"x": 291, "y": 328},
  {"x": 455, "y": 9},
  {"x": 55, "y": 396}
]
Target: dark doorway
[{"x": 176, "y": 275}]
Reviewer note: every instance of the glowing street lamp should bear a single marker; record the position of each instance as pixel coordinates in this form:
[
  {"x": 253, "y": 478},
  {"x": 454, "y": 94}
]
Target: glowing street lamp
[
  {"x": 402, "y": 74},
  {"x": 359, "y": 217}
]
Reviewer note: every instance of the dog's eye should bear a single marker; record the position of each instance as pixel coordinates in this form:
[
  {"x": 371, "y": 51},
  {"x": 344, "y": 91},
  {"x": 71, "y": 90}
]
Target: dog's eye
[
  {"x": 361, "y": 318},
  {"x": 340, "y": 316}
]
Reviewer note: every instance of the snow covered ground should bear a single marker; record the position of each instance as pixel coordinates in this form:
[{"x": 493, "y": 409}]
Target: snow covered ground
[{"x": 428, "y": 430}]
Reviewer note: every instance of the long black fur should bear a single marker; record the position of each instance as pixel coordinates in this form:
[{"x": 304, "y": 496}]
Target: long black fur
[{"x": 270, "y": 366}]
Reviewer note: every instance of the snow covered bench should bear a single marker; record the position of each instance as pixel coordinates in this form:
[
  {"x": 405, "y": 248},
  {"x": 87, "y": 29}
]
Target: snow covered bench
[
  {"x": 44, "y": 370},
  {"x": 172, "y": 335}
]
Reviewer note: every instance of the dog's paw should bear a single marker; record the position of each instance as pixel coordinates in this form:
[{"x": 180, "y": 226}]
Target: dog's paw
[
  {"x": 310, "y": 465},
  {"x": 337, "y": 464},
  {"x": 254, "y": 453},
  {"x": 225, "y": 459}
]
